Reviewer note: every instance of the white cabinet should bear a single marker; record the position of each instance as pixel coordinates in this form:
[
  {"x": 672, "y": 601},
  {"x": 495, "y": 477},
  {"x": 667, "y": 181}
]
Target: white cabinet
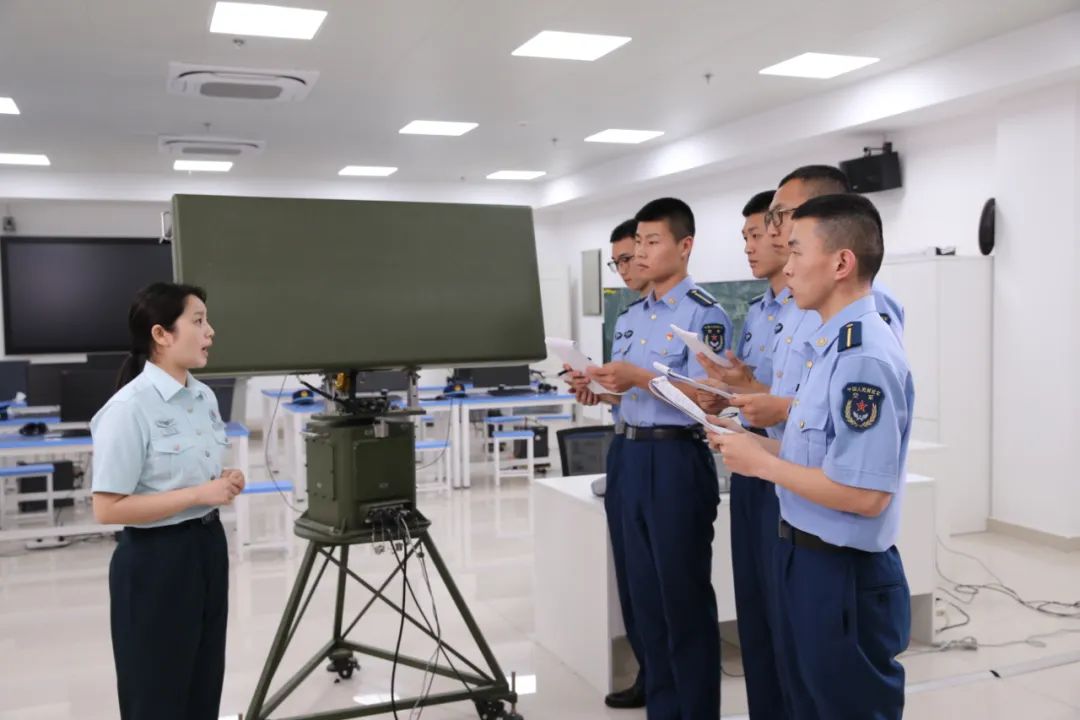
[{"x": 948, "y": 321}]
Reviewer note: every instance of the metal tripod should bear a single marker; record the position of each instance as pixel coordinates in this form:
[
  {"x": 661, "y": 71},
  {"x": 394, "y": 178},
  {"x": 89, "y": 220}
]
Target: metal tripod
[{"x": 487, "y": 690}]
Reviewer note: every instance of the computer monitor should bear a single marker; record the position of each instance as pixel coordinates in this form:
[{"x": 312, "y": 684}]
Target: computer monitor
[
  {"x": 501, "y": 376},
  {"x": 84, "y": 392},
  {"x": 225, "y": 390},
  {"x": 14, "y": 378},
  {"x": 106, "y": 361},
  {"x": 380, "y": 380},
  {"x": 43, "y": 383}
]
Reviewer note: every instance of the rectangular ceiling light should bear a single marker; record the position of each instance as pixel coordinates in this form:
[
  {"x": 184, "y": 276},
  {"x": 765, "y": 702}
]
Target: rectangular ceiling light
[
  {"x": 436, "y": 127},
  {"x": 818, "y": 65},
  {"x": 23, "y": 159},
  {"x": 516, "y": 175},
  {"x": 570, "y": 46},
  {"x": 367, "y": 171},
  {"x": 233, "y": 18},
  {"x": 202, "y": 165},
  {"x": 627, "y": 137},
  {"x": 8, "y": 106}
]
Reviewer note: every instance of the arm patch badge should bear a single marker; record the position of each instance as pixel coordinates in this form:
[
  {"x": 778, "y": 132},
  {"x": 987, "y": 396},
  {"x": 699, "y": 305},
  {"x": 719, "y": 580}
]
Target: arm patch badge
[
  {"x": 713, "y": 335},
  {"x": 862, "y": 406}
]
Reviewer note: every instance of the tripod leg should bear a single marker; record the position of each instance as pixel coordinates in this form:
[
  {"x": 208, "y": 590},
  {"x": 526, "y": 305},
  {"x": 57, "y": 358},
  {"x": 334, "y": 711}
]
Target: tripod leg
[
  {"x": 280, "y": 644},
  {"x": 459, "y": 602},
  {"x": 339, "y": 607}
]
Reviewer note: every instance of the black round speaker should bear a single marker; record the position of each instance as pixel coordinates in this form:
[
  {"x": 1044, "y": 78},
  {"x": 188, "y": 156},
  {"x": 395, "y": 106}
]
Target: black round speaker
[{"x": 986, "y": 227}]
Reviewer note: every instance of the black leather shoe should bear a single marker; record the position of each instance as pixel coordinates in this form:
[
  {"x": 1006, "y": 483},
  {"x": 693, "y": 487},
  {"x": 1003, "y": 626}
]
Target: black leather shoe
[{"x": 628, "y": 699}]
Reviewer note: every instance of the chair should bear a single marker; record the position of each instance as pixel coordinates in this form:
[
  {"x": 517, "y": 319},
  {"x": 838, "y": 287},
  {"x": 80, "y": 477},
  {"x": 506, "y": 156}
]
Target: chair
[
  {"x": 510, "y": 469},
  {"x": 441, "y": 463},
  {"x": 583, "y": 450},
  {"x": 282, "y": 540}
]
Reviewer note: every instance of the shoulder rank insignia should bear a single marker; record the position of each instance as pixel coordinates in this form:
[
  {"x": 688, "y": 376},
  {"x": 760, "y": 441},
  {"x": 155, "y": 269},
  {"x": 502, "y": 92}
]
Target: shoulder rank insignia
[
  {"x": 627, "y": 308},
  {"x": 713, "y": 335},
  {"x": 701, "y": 297},
  {"x": 850, "y": 336},
  {"x": 862, "y": 405},
  {"x": 886, "y": 317}
]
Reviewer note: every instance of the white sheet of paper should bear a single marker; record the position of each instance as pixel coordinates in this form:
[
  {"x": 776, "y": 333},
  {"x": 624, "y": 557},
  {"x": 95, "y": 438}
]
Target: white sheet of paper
[
  {"x": 568, "y": 352},
  {"x": 677, "y": 377},
  {"x": 697, "y": 346},
  {"x": 675, "y": 397}
]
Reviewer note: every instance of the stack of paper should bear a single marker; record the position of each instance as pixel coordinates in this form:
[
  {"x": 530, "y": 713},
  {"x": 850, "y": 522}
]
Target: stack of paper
[
  {"x": 663, "y": 389},
  {"x": 697, "y": 346},
  {"x": 568, "y": 352}
]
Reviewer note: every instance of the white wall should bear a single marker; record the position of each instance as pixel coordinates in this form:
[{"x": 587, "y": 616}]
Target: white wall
[{"x": 1036, "y": 335}]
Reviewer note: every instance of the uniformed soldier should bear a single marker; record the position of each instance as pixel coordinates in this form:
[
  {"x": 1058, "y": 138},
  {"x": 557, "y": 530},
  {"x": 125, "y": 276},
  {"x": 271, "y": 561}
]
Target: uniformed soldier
[
  {"x": 839, "y": 471},
  {"x": 766, "y": 405},
  {"x": 622, "y": 262},
  {"x": 158, "y": 444},
  {"x": 668, "y": 478},
  {"x": 754, "y": 509}
]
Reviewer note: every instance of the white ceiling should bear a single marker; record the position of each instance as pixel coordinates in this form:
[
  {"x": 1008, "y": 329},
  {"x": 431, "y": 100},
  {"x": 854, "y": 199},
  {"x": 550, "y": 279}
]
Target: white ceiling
[{"x": 89, "y": 77}]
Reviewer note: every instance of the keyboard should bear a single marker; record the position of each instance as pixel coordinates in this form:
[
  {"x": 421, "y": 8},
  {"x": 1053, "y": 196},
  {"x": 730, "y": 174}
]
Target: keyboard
[{"x": 511, "y": 391}]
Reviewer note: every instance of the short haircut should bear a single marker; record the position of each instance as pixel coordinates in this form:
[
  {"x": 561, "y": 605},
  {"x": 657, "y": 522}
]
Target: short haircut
[
  {"x": 848, "y": 221},
  {"x": 820, "y": 179},
  {"x": 679, "y": 216},
  {"x": 758, "y": 204},
  {"x": 625, "y": 229}
]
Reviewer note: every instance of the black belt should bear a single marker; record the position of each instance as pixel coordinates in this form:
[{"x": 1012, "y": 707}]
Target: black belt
[
  {"x": 798, "y": 538},
  {"x": 665, "y": 432},
  {"x": 206, "y": 519}
]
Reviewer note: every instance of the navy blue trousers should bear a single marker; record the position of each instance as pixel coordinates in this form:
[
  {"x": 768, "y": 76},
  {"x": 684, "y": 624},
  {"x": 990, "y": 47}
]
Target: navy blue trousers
[
  {"x": 755, "y": 517},
  {"x": 669, "y": 498},
  {"x": 169, "y": 605},
  {"x": 844, "y": 619},
  {"x": 613, "y": 509}
]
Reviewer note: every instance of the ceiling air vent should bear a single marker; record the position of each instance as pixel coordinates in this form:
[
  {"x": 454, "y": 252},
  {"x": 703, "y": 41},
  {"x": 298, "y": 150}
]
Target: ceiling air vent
[
  {"x": 240, "y": 83},
  {"x": 203, "y": 146}
]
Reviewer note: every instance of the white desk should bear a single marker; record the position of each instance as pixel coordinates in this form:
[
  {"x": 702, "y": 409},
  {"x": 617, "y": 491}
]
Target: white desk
[
  {"x": 459, "y": 422},
  {"x": 14, "y": 447},
  {"x": 577, "y": 605}
]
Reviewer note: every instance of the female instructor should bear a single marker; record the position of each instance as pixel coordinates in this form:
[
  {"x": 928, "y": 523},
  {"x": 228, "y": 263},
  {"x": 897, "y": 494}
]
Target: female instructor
[{"x": 158, "y": 444}]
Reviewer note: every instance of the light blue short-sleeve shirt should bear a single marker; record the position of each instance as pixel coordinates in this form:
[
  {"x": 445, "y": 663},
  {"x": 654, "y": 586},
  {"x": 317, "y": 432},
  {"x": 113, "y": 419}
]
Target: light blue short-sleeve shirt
[
  {"x": 852, "y": 418},
  {"x": 156, "y": 435},
  {"x": 647, "y": 338}
]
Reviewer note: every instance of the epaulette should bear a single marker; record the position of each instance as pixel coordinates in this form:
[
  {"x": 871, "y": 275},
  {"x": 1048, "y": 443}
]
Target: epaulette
[
  {"x": 701, "y": 297},
  {"x": 850, "y": 336},
  {"x": 755, "y": 300},
  {"x": 886, "y": 317},
  {"x": 627, "y": 308}
]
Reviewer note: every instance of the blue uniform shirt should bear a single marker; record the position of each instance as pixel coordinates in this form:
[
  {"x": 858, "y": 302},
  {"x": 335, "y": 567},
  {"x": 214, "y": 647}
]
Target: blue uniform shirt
[
  {"x": 796, "y": 327},
  {"x": 648, "y": 338},
  {"x": 759, "y": 332},
  {"x": 156, "y": 435},
  {"x": 851, "y": 418}
]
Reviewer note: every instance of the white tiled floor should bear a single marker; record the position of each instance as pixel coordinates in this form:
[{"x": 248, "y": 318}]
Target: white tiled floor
[{"x": 56, "y": 661}]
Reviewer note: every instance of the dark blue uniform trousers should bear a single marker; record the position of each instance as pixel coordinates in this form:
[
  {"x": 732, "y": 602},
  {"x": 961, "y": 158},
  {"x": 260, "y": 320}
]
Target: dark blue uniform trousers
[
  {"x": 845, "y": 617},
  {"x": 669, "y": 498},
  {"x": 169, "y": 606},
  {"x": 755, "y": 517},
  {"x": 613, "y": 509}
]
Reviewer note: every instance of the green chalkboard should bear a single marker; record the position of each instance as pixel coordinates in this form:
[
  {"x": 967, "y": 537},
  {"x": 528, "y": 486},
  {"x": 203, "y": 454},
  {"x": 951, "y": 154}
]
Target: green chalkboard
[
  {"x": 308, "y": 285},
  {"x": 734, "y": 296}
]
